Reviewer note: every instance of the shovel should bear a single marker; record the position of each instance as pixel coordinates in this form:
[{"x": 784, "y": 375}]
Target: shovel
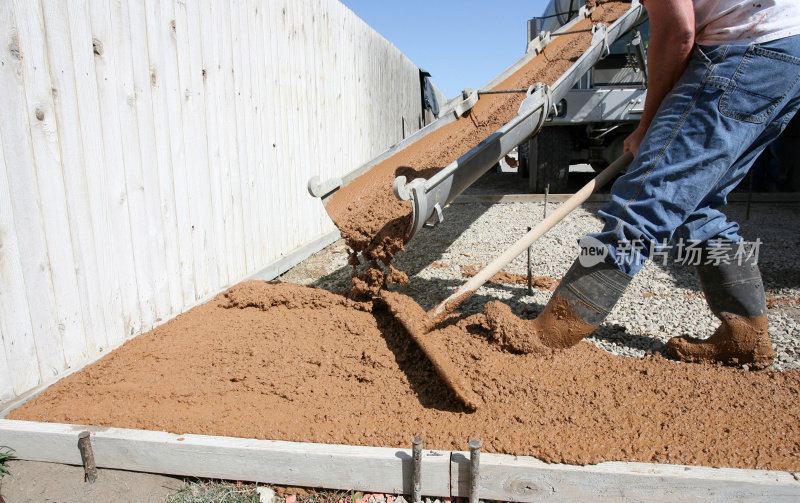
[{"x": 418, "y": 323}]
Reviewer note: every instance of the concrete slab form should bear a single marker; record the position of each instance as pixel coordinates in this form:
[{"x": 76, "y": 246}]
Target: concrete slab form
[{"x": 389, "y": 470}]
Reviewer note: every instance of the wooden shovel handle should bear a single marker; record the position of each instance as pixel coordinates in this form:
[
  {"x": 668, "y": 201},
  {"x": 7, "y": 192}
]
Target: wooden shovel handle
[{"x": 525, "y": 241}]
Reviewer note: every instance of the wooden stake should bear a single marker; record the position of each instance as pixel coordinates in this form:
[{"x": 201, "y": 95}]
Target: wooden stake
[{"x": 87, "y": 456}]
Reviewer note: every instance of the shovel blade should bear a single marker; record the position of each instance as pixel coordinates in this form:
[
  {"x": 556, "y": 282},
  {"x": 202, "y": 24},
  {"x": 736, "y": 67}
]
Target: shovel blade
[{"x": 415, "y": 320}]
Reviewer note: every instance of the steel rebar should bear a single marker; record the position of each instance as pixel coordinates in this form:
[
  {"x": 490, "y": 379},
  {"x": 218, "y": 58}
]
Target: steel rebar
[
  {"x": 530, "y": 273},
  {"x": 474, "y": 469},
  {"x": 504, "y": 91},
  {"x": 416, "y": 457},
  {"x": 570, "y": 32}
]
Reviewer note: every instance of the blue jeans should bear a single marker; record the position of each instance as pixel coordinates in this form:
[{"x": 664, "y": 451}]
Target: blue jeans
[{"x": 728, "y": 105}]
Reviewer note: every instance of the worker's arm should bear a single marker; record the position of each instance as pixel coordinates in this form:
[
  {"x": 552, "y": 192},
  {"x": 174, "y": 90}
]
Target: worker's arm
[{"x": 671, "y": 42}]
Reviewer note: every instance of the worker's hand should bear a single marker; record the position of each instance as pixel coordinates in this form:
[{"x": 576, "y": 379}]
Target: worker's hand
[{"x": 631, "y": 143}]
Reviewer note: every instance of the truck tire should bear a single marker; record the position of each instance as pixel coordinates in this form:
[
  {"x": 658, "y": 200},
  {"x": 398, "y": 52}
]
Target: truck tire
[{"x": 548, "y": 160}]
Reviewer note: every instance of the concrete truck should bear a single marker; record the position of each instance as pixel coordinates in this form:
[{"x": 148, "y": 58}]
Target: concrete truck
[
  {"x": 605, "y": 105},
  {"x": 596, "y": 115}
]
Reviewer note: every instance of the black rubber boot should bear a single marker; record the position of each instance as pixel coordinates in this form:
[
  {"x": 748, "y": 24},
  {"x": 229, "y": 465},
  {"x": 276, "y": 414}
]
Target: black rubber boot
[
  {"x": 579, "y": 304},
  {"x": 735, "y": 293}
]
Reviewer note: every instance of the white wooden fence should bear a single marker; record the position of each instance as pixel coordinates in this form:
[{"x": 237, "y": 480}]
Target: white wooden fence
[{"x": 156, "y": 151}]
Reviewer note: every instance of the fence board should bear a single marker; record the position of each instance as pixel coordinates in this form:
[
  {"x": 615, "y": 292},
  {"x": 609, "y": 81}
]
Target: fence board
[
  {"x": 136, "y": 194},
  {"x": 174, "y": 100},
  {"x": 94, "y": 175},
  {"x": 17, "y": 375},
  {"x": 212, "y": 80},
  {"x": 191, "y": 142},
  {"x": 149, "y": 166},
  {"x": 286, "y": 150},
  {"x": 156, "y": 28},
  {"x": 256, "y": 68},
  {"x": 244, "y": 129},
  {"x": 233, "y": 187},
  {"x": 114, "y": 196},
  {"x": 205, "y": 226},
  {"x": 320, "y": 110},
  {"x": 6, "y": 380},
  {"x": 271, "y": 122},
  {"x": 291, "y": 92}
]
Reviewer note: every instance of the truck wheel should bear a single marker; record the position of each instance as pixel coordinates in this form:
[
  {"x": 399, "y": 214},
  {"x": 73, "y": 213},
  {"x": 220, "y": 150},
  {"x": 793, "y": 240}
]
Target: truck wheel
[{"x": 548, "y": 160}]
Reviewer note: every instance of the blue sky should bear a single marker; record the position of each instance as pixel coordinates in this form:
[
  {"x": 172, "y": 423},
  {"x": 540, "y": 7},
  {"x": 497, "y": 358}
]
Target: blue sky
[{"x": 461, "y": 43}]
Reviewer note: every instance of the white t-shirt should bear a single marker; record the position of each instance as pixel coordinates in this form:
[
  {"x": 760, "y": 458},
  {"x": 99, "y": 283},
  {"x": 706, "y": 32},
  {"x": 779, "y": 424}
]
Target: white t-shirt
[{"x": 719, "y": 22}]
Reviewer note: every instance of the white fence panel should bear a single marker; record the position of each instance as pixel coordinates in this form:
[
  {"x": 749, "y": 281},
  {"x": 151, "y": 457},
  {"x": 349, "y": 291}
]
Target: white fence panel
[{"x": 155, "y": 152}]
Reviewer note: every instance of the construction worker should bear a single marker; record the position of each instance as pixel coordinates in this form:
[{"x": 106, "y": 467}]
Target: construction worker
[{"x": 724, "y": 81}]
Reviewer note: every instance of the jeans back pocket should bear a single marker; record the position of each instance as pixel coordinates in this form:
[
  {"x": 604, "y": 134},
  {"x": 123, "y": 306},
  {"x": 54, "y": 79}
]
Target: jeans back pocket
[{"x": 761, "y": 82}]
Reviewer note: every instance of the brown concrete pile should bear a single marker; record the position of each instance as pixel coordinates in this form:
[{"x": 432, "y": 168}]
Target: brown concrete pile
[{"x": 285, "y": 362}]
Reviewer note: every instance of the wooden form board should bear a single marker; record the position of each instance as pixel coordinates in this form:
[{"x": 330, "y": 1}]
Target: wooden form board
[
  {"x": 388, "y": 470},
  {"x": 523, "y": 478},
  {"x": 375, "y": 469}
]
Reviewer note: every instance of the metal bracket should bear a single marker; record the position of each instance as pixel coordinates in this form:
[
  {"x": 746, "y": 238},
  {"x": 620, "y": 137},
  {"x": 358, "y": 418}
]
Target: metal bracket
[
  {"x": 400, "y": 189},
  {"x": 540, "y": 95},
  {"x": 641, "y": 55},
  {"x": 538, "y": 44},
  {"x": 600, "y": 32},
  {"x": 414, "y": 192},
  {"x": 437, "y": 217},
  {"x": 470, "y": 98},
  {"x": 321, "y": 189}
]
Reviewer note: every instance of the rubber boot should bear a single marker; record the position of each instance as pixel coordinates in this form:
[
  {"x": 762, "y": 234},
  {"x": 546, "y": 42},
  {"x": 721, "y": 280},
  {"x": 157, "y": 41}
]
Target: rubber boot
[
  {"x": 735, "y": 294},
  {"x": 579, "y": 304}
]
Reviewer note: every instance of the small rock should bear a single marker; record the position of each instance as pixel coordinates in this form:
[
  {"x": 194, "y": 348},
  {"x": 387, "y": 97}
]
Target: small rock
[
  {"x": 400, "y": 499},
  {"x": 265, "y": 494},
  {"x": 291, "y": 498}
]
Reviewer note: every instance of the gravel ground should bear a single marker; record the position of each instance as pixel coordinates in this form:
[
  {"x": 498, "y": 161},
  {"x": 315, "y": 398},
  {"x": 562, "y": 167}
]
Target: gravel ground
[{"x": 661, "y": 301}]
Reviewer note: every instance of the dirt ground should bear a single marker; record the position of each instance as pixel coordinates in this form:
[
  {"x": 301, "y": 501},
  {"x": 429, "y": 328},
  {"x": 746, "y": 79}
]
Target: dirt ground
[{"x": 33, "y": 482}]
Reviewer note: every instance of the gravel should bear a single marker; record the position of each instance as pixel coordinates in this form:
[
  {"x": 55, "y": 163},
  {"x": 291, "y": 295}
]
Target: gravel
[{"x": 661, "y": 301}]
